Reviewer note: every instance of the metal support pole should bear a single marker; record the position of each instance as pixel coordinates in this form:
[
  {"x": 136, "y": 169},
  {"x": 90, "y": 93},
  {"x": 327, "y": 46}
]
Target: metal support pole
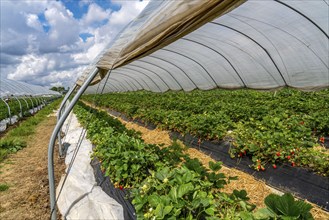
[
  {"x": 66, "y": 97},
  {"x": 43, "y": 101},
  {"x": 32, "y": 104},
  {"x": 20, "y": 106},
  {"x": 27, "y": 104},
  {"x": 57, "y": 128},
  {"x": 40, "y": 102},
  {"x": 37, "y": 102},
  {"x": 8, "y": 107},
  {"x": 59, "y": 113}
]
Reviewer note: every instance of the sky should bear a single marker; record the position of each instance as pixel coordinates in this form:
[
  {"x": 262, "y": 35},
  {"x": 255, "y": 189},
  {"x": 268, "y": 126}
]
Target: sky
[{"x": 50, "y": 43}]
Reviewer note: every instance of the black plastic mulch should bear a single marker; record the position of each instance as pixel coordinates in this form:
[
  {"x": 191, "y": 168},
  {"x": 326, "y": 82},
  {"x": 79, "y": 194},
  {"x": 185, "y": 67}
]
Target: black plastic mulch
[
  {"x": 121, "y": 196},
  {"x": 297, "y": 180}
]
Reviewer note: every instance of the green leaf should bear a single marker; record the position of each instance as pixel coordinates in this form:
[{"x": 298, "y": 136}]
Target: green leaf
[
  {"x": 264, "y": 213},
  {"x": 125, "y": 167},
  {"x": 159, "y": 211},
  {"x": 167, "y": 210},
  {"x": 210, "y": 211},
  {"x": 304, "y": 207},
  {"x": 162, "y": 174},
  {"x": 232, "y": 178},
  {"x": 187, "y": 177},
  {"x": 212, "y": 177},
  {"x": 154, "y": 200},
  {"x": 242, "y": 194},
  {"x": 215, "y": 166},
  {"x": 286, "y": 205},
  {"x": 205, "y": 202},
  {"x": 138, "y": 207},
  {"x": 177, "y": 211},
  {"x": 173, "y": 194},
  {"x": 243, "y": 205},
  {"x": 196, "y": 203},
  {"x": 246, "y": 215},
  {"x": 183, "y": 189},
  {"x": 270, "y": 202}
]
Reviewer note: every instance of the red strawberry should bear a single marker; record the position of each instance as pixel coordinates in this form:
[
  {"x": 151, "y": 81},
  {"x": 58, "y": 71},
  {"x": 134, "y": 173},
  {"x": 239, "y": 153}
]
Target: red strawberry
[
  {"x": 293, "y": 164},
  {"x": 302, "y": 123},
  {"x": 262, "y": 168},
  {"x": 245, "y": 152},
  {"x": 121, "y": 187},
  {"x": 288, "y": 157},
  {"x": 322, "y": 139},
  {"x": 240, "y": 154},
  {"x": 274, "y": 166},
  {"x": 278, "y": 154},
  {"x": 258, "y": 167}
]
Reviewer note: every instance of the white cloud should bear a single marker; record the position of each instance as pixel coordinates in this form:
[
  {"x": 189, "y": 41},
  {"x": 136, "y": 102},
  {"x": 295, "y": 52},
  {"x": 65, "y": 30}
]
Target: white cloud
[
  {"x": 129, "y": 10},
  {"x": 31, "y": 66},
  {"x": 57, "y": 56},
  {"x": 33, "y": 21},
  {"x": 95, "y": 14},
  {"x": 64, "y": 28},
  {"x": 85, "y": 2}
]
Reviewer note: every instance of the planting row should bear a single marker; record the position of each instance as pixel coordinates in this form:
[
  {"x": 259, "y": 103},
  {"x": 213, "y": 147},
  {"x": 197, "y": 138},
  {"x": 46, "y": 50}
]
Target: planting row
[
  {"x": 286, "y": 126},
  {"x": 164, "y": 183},
  {"x": 20, "y": 105},
  {"x": 15, "y": 139}
]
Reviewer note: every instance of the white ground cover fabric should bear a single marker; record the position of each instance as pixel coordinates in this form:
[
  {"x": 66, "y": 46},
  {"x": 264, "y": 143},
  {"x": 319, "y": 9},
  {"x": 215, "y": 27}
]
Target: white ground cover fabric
[
  {"x": 81, "y": 198},
  {"x": 7, "y": 121},
  {"x": 3, "y": 125}
]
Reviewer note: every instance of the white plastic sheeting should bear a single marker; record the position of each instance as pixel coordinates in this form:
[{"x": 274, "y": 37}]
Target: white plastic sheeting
[
  {"x": 11, "y": 87},
  {"x": 259, "y": 45},
  {"x": 8, "y": 121},
  {"x": 80, "y": 197}
]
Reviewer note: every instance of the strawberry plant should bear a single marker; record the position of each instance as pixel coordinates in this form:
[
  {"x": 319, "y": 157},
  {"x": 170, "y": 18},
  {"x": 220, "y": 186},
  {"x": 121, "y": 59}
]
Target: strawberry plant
[
  {"x": 124, "y": 156},
  {"x": 126, "y": 160},
  {"x": 188, "y": 192},
  {"x": 272, "y": 140},
  {"x": 284, "y": 207}
]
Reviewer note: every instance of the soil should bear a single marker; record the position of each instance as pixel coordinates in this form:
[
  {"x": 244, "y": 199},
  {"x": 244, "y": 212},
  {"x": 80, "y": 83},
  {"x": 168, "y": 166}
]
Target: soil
[{"x": 27, "y": 176}]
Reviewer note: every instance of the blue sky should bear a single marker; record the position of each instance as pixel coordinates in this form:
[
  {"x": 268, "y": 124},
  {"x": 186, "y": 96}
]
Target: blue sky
[{"x": 50, "y": 43}]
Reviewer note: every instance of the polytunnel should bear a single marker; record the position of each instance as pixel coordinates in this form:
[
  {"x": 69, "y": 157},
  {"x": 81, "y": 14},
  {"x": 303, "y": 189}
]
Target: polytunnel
[
  {"x": 20, "y": 99},
  {"x": 258, "y": 45},
  {"x": 16, "y": 88},
  {"x": 229, "y": 44}
]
